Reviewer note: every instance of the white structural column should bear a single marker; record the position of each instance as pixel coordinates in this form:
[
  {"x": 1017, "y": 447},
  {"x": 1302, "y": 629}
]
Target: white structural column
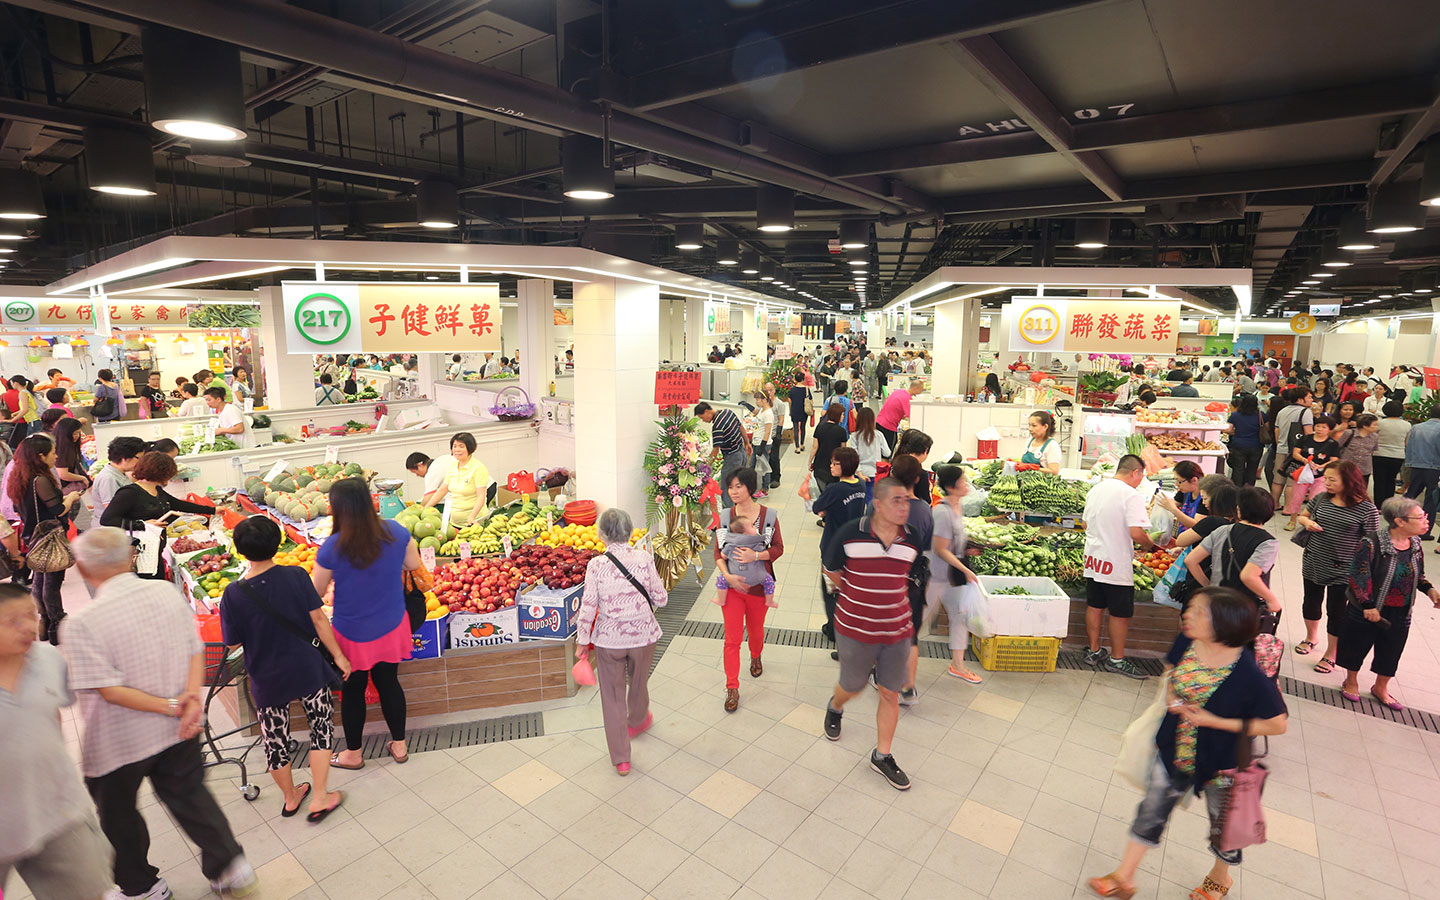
[
  {"x": 289, "y": 379},
  {"x": 1434, "y": 358},
  {"x": 617, "y": 327},
  {"x": 535, "y": 312},
  {"x": 672, "y": 330},
  {"x": 957, "y": 344},
  {"x": 1379, "y": 346},
  {"x": 694, "y": 330},
  {"x": 753, "y": 338},
  {"x": 875, "y": 336}
]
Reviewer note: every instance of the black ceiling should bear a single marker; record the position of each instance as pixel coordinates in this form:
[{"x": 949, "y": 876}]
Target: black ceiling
[{"x": 1224, "y": 133}]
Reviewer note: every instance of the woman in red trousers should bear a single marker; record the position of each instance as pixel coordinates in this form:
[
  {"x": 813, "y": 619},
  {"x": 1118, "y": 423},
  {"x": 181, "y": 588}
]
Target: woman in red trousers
[{"x": 745, "y": 603}]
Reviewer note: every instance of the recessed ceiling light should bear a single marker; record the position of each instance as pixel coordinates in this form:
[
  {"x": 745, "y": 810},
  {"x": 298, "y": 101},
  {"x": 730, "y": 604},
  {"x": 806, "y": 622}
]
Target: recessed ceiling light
[{"x": 1322, "y": 274}]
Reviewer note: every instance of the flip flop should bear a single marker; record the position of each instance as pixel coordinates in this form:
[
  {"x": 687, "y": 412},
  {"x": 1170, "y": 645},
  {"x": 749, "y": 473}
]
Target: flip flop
[
  {"x": 1391, "y": 704},
  {"x": 286, "y": 811},
  {"x": 399, "y": 760},
  {"x": 1304, "y": 647},
  {"x": 335, "y": 763},
  {"x": 316, "y": 818},
  {"x": 1325, "y": 666}
]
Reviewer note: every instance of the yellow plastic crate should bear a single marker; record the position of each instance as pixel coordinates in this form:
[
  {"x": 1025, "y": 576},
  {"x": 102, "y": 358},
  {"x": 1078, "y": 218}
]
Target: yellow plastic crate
[{"x": 1006, "y": 653}]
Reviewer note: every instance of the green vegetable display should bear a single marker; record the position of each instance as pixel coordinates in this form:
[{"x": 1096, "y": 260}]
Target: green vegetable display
[
  {"x": 988, "y": 474},
  {"x": 1017, "y": 591},
  {"x": 1005, "y": 493},
  {"x": 1039, "y": 492},
  {"x": 192, "y": 445}
]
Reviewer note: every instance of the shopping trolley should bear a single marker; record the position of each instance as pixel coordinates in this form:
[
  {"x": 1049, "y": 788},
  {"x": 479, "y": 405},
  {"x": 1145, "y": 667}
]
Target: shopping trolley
[{"x": 225, "y": 669}]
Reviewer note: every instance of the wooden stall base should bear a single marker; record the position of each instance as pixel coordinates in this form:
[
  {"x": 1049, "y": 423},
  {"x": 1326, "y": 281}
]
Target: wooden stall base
[
  {"x": 1152, "y": 630},
  {"x": 478, "y": 678}
]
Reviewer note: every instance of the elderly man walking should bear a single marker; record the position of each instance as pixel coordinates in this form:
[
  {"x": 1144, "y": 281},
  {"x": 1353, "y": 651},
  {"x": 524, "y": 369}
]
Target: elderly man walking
[{"x": 137, "y": 667}]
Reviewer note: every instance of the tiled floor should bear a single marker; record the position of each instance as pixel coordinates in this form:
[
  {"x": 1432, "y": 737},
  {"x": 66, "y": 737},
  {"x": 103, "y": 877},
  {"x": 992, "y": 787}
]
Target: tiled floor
[{"x": 1013, "y": 792}]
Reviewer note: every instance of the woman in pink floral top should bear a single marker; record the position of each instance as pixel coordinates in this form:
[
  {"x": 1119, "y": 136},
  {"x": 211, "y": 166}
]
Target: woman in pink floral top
[{"x": 617, "y": 620}]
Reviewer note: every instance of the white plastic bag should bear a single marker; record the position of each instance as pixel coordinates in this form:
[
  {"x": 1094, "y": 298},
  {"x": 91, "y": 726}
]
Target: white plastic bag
[
  {"x": 1137, "y": 745},
  {"x": 1305, "y": 476},
  {"x": 974, "y": 610},
  {"x": 974, "y": 501}
]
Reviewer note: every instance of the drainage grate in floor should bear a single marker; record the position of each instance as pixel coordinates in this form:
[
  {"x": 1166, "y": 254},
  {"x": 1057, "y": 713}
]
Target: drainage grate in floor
[
  {"x": 1331, "y": 697},
  {"x": 447, "y": 737},
  {"x": 795, "y": 637},
  {"x": 680, "y": 599}
]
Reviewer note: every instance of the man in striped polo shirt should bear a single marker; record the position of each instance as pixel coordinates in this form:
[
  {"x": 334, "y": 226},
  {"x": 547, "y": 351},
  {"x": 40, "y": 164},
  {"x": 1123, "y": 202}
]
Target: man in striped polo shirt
[
  {"x": 727, "y": 436},
  {"x": 869, "y": 561}
]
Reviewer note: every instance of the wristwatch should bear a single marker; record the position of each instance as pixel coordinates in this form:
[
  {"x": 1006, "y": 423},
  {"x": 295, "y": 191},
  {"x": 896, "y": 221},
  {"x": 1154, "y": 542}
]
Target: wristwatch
[{"x": 173, "y": 707}]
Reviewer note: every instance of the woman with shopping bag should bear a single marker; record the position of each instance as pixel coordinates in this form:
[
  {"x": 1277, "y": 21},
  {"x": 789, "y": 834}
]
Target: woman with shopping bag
[
  {"x": 1215, "y": 696},
  {"x": 952, "y": 584}
]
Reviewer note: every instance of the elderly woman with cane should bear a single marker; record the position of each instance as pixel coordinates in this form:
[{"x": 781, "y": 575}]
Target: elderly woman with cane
[{"x": 617, "y": 620}]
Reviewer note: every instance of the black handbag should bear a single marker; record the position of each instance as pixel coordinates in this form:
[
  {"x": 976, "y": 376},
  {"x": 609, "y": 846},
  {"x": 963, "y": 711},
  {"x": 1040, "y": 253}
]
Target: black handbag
[
  {"x": 415, "y": 607},
  {"x": 337, "y": 678}
]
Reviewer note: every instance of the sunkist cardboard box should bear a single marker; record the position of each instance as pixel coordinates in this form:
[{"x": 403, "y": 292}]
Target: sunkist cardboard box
[{"x": 484, "y": 629}]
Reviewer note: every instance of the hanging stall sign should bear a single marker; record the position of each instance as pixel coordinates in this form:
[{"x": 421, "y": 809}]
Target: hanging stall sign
[
  {"x": 346, "y": 317},
  {"x": 677, "y": 388},
  {"x": 717, "y": 317},
  {"x": 1304, "y": 323},
  {"x": 80, "y": 313},
  {"x": 1052, "y": 324},
  {"x": 796, "y": 323}
]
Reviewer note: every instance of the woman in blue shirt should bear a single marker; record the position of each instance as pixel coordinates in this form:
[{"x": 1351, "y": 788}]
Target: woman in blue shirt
[
  {"x": 1215, "y": 690},
  {"x": 366, "y": 557},
  {"x": 1245, "y": 444}
]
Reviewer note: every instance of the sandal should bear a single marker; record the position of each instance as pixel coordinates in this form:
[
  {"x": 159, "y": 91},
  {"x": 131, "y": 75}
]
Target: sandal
[
  {"x": 1304, "y": 647},
  {"x": 1110, "y": 886},
  {"x": 1210, "y": 889},
  {"x": 318, "y": 816},
  {"x": 403, "y": 758},
  {"x": 286, "y": 811},
  {"x": 1325, "y": 666},
  {"x": 335, "y": 763}
]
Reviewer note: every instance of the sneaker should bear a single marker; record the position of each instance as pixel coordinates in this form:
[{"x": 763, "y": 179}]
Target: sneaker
[
  {"x": 160, "y": 891},
  {"x": 761, "y": 495},
  {"x": 832, "y": 722},
  {"x": 238, "y": 878},
  {"x": 909, "y": 697},
  {"x": 1095, "y": 659},
  {"x": 887, "y": 766},
  {"x": 1124, "y": 667}
]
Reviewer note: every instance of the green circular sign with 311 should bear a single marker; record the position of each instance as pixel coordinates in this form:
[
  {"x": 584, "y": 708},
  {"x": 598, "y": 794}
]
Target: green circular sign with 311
[{"x": 322, "y": 319}]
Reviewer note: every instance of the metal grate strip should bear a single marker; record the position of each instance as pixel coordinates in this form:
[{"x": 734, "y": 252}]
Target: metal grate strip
[{"x": 446, "y": 737}]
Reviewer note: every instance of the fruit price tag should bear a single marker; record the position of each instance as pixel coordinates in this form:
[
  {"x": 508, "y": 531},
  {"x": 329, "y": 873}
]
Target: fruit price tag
[
  {"x": 275, "y": 470},
  {"x": 332, "y": 453},
  {"x": 249, "y": 405},
  {"x": 549, "y": 518},
  {"x": 210, "y": 433},
  {"x": 464, "y": 549},
  {"x": 506, "y": 543},
  {"x": 427, "y": 557}
]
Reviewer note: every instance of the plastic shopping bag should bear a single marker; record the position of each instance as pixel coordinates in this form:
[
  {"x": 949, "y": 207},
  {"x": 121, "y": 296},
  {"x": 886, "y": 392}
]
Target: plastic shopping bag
[
  {"x": 1162, "y": 521},
  {"x": 974, "y": 610},
  {"x": 1305, "y": 476},
  {"x": 1137, "y": 745},
  {"x": 1166, "y": 592},
  {"x": 804, "y": 491}
]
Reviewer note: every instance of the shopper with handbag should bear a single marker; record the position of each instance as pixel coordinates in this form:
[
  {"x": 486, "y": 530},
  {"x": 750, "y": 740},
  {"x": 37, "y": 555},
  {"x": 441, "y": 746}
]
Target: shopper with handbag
[
  {"x": 616, "y": 624},
  {"x": 801, "y": 409},
  {"x": 44, "y": 520},
  {"x": 1216, "y": 698},
  {"x": 1241, "y": 556},
  {"x": 1388, "y": 570},
  {"x": 1334, "y": 524},
  {"x": 274, "y": 613},
  {"x": 364, "y": 559},
  {"x": 948, "y": 573},
  {"x": 145, "y": 501}
]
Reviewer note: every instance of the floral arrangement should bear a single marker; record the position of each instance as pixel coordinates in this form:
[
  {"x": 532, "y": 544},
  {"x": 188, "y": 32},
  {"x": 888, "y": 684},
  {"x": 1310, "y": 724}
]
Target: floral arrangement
[
  {"x": 785, "y": 374},
  {"x": 1123, "y": 359},
  {"x": 680, "y": 482},
  {"x": 514, "y": 412}
]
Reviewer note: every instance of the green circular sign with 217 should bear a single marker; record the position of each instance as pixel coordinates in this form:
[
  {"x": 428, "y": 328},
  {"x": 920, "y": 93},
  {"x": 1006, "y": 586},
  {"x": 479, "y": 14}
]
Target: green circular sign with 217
[{"x": 322, "y": 319}]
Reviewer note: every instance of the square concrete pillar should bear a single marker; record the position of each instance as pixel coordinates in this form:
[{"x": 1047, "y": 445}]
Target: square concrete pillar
[
  {"x": 535, "y": 310},
  {"x": 617, "y": 326},
  {"x": 289, "y": 378},
  {"x": 695, "y": 348}
]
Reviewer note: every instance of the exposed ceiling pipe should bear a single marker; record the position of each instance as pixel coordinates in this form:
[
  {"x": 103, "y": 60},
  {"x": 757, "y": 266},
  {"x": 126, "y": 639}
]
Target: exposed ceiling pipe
[{"x": 289, "y": 31}]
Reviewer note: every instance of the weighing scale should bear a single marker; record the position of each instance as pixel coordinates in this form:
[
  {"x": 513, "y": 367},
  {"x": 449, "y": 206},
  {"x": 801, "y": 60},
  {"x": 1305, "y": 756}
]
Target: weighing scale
[{"x": 390, "y": 504}]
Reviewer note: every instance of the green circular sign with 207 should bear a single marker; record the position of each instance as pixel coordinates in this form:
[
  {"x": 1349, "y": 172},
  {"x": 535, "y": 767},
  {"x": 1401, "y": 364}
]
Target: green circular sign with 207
[{"x": 322, "y": 319}]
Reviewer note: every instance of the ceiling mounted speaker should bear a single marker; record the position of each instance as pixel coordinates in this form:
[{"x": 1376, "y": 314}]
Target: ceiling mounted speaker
[
  {"x": 218, "y": 154},
  {"x": 193, "y": 85},
  {"x": 1395, "y": 208},
  {"x": 1353, "y": 235},
  {"x": 585, "y": 174},
  {"x": 119, "y": 161},
  {"x": 20, "y": 195},
  {"x": 689, "y": 237},
  {"x": 727, "y": 253},
  {"x": 854, "y": 234},
  {"x": 437, "y": 204},
  {"x": 774, "y": 208},
  {"x": 1092, "y": 234}
]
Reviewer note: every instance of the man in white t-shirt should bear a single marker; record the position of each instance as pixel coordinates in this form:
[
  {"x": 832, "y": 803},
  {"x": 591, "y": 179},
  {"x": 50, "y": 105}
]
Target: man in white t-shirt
[
  {"x": 232, "y": 422},
  {"x": 1116, "y": 518},
  {"x": 193, "y": 404},
  {"x": 434, "y": 471}
]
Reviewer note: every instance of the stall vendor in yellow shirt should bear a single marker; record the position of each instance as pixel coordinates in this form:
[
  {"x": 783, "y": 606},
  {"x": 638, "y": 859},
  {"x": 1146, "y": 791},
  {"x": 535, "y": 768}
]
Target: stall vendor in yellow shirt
[{"x": 467, "y": 486}]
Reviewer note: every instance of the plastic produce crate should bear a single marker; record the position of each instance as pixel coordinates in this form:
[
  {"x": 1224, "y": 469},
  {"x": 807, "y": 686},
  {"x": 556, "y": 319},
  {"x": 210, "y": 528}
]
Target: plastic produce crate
[
  {"x": 1010, "y": 653},
  {"x": 1042, "y": 611}
]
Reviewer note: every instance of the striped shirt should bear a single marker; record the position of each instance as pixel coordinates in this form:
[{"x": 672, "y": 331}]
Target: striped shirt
[
  {"x": 726, "y": 433},
  {"x": 1328, "y": 557},
  {"x": 874, "y": 602}
]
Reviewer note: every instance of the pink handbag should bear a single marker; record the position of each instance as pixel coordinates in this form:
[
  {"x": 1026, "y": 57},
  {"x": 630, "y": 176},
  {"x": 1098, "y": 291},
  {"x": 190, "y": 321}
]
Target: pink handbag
[{"x": 1242, "y": 817}]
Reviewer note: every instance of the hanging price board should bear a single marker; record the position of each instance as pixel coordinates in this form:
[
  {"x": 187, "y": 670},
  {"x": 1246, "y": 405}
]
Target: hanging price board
[{"x": 332, "y": 453}]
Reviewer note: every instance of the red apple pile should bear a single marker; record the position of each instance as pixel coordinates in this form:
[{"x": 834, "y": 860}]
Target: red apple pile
[
  {"x": 478, "y": 585},
  {"x": 557, "y": 567}
]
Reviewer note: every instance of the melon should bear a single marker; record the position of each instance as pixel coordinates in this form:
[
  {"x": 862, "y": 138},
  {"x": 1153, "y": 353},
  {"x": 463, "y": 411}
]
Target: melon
[
  {"x": 432, "y": 542},
  {"x": 324, "y": 485},
  {"x": 272, "y": 497},
  {"x": 425, "y": 529},
  {"x": 303, "y": 479},
  {"x": 352, "y": 469}
]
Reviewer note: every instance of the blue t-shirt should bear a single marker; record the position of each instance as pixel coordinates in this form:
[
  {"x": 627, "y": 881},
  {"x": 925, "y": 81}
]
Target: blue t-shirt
[
  {"x": 369, "y": 602},
  {"x": 282, "y": 666},
  {"x": 1247, "y": 429}
]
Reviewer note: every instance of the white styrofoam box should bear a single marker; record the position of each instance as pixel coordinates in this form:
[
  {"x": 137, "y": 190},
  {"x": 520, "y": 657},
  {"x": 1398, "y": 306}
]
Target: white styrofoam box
[{"x": 1044, "y": 611}]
